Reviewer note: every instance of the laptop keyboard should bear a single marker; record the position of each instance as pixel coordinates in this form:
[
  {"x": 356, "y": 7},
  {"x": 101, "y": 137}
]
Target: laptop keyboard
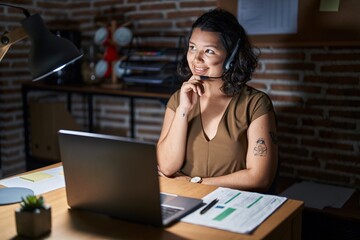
[{"x": 167, "y": 211}]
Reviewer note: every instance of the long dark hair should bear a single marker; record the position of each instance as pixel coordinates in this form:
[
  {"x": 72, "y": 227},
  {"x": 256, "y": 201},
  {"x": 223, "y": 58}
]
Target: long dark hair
[{"x": 245, "y": 61}]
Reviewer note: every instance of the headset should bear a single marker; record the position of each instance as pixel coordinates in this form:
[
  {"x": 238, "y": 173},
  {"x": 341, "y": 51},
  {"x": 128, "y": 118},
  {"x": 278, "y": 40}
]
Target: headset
[
  {"x": 230, "y": 61},
  {"x": 228, "y": 64}
]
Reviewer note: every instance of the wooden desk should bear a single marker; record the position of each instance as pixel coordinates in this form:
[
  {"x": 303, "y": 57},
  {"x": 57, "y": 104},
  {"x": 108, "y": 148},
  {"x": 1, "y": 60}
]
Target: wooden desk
[{"x": 285, "y": 223}]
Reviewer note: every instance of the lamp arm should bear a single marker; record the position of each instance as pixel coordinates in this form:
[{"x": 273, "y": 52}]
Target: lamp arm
[
  {"x": 3, "y": 51},
  {"x": 9, "y": 38},
  {"x": 25, "y": 11}
]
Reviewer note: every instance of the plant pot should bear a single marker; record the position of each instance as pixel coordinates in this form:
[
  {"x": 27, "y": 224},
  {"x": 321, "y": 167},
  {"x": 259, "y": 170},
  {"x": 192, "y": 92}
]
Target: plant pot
[{"x": 33, "y": 224}]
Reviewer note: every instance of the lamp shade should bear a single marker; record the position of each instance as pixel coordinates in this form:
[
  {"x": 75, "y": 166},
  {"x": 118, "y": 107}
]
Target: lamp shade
[{"x": 48, "y": 52}]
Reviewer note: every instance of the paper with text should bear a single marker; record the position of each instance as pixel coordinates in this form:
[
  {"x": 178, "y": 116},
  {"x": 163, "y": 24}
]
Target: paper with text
[{"x": 236, "y": 211}]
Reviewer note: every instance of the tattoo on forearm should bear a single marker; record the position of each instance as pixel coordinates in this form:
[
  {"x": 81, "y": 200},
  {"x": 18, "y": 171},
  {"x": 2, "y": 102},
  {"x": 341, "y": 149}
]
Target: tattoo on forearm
[
  {"x": 274, "y": 137},
  {"x": 260, "y": 148},
  {"x": 183, "y": 114}
]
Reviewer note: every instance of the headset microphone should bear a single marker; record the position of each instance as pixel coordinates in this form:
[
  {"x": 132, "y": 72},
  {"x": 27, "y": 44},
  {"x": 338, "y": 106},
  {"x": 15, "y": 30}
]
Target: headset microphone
[{"x": 207, "y": 77}]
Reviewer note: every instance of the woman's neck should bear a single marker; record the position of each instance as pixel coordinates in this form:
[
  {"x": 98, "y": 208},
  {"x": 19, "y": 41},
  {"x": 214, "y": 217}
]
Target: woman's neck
[{"x": 213, "y": 88}]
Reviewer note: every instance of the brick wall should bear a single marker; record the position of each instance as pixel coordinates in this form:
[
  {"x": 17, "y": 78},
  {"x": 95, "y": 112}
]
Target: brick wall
[
  {"x": 315, "y": 90},
  {"x": 316, "y": 94}
]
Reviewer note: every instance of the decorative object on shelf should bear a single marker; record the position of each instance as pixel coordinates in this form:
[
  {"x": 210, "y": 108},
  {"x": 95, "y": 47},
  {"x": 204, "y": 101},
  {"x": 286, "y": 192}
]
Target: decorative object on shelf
[
  {"x": 102, "y": 69},
  {"x": 111, "y": 37},
  {"x": 33, "y": 219},
  {"x": 122, "y": 36},
  {"x": 101, "y": 36}
]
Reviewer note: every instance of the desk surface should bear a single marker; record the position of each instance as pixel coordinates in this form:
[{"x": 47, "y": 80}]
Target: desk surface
[{"x": 285, "y": 223}]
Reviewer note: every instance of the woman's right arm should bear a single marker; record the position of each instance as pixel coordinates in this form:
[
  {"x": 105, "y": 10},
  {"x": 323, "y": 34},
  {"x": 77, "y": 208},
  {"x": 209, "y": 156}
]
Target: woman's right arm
[{"x": 171, "y": 147}]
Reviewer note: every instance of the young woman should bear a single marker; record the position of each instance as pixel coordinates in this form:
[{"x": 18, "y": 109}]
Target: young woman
[{"x": 216, "y": 129}]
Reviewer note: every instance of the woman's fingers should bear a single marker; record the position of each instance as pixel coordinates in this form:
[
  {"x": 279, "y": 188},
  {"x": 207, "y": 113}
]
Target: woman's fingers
[{"x": 195, "y": 85}]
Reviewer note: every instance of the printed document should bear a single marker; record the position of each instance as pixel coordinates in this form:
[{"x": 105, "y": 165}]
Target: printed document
[{"x": 236, "y": 211}]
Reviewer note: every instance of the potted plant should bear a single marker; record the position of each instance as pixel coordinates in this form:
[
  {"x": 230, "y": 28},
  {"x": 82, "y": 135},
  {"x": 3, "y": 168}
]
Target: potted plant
[{"x": 33, "y": 218}]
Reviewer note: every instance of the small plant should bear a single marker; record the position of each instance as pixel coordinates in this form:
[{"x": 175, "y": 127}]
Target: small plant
[
  {"x": 32, "y": 203},
  {"x": 33, "y": 218}
]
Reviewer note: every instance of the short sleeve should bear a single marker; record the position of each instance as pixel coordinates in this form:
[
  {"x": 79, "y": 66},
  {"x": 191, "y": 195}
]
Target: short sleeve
[
  {"x": 260, "y": 105},
  {"x": 251, "y": 104},
  {"x": 173, "y": 102}
]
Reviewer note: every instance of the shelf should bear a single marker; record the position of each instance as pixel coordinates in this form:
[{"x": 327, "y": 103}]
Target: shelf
[
  {"x": 144, "y": 65},
  {"x": 147, "y": 78},
  {"x": 150, "y": 60},
  {"x": 147, "y": 51}
]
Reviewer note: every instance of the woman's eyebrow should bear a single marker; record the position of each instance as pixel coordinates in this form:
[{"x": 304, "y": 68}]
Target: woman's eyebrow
[{"x": 209, "y": 45}]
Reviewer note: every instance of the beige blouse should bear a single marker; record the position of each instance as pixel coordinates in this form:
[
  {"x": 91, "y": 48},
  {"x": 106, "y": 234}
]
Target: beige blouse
[{"x": 226, "y": 152}]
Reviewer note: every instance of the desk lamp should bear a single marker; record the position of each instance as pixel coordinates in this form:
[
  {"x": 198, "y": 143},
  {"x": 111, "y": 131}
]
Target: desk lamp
[{"x": 49, "y": 53}]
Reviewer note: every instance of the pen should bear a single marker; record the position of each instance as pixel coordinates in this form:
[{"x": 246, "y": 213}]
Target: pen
[{"x": 210, "y": 205}]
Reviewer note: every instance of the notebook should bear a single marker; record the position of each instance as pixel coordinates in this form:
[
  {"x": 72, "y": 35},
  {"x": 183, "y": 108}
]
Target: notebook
[{"x": 117, "y": 176}]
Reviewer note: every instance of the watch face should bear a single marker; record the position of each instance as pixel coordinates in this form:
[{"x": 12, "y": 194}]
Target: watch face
[{"x": 196, "y": 180}]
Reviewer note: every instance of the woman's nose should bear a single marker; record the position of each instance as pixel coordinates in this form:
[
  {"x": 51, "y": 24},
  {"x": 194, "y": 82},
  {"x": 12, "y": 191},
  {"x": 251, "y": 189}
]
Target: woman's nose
[{"x": 198, "y": 57}]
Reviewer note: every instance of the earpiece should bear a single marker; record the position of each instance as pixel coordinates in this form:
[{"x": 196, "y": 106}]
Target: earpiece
[
  {"x": 230, "y": 61},
  {"x": 227, "y": 64}
]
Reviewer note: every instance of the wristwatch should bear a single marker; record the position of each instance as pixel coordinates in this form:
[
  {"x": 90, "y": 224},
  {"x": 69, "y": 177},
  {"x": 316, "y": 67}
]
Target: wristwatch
[{"x": 196, "y": 180}]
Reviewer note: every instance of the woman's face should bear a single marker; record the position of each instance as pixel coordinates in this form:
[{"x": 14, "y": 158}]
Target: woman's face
[{"x": 206, "y": 53}]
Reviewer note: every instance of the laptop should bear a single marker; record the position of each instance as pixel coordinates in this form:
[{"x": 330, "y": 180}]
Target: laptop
[{"x": 118, "y": 176}]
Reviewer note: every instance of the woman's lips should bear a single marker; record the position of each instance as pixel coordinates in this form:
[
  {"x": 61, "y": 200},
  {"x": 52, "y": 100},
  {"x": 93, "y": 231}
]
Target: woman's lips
[{"x": 200, "y": 70}]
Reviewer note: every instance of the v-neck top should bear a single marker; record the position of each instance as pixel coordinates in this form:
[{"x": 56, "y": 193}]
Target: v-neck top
[{"x": 226, "y": 152}]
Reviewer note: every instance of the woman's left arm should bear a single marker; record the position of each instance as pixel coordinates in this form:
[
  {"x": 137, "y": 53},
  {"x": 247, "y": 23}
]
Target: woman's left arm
[{"x": 261, "y": 158}]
